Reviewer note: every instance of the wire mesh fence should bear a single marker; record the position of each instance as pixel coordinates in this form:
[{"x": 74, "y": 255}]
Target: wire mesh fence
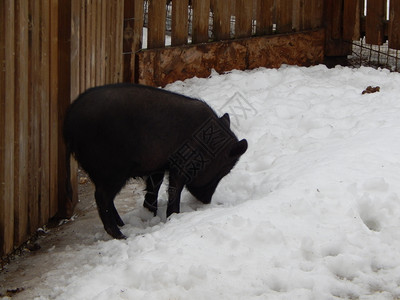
[{"x": 364, "y": 54}]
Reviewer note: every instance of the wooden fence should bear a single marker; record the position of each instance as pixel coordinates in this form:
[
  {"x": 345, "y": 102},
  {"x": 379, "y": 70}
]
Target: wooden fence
[
  {"x": 233, "y": 46},
  {"x": 50, "y": 51}
]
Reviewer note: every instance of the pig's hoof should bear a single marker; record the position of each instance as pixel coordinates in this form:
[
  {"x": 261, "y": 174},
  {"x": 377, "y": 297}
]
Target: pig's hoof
[{"x": 116, "y": 233}]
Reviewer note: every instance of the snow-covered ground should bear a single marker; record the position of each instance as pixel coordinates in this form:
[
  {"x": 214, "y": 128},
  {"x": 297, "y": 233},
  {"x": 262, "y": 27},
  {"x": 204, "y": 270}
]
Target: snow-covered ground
[{"x": 311, "y": 211}]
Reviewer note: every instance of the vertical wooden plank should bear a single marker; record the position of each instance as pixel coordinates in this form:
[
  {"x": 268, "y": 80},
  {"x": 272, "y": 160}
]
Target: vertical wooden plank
[
  {"x": 82, "y": 46},
  {"x": 264, "y": 17},
  {"x": 317, "y": 10},
  {"x": 157, "y": 18},
  {"x": 129, "y": 9},
  {"x": 34, "y": 121},
  {"x": 66, "y": 206},
  {"x": 54, "y": 125},
  {"x": 137, "y": 37},
  {"x": 350, "y": 17},
  {"x": 375, "y": 22},
  {"x": 337, "y": 19},
  {"x": 179, "y": 35},
  {"x": 103, "y": 38},
  {"x": 21, "y": 122},
  {"x": 88, "y": 39},
  {"x": 92, "y": 42},
  {"x": 109, "y": 46},
  {"x": 119, "y": 17},
  {"x": 111, "y": 40},
  {"x": 201, "y": 14},
  {"x": 222, "y": 19},
  {"x": 7, "y": 129},
  {"x": 311, "y": 14},
  {"x": 333, "y": 21},
  {"x": 297, "y": 16},
  {"x": 284, "y": 13},
  {"x": 44, "y": 112},
  {"x": 394, "y": 25},
  {"x": 75, "y": 48},
  {"x": 244, "y": 13},
  {"x": 97, "y": 52},
  {"x": 2, "y": 128}
]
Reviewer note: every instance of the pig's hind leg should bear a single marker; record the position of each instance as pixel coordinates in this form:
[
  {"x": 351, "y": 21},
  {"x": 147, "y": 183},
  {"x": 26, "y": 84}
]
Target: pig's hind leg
[{"x": 105, "y": 195}]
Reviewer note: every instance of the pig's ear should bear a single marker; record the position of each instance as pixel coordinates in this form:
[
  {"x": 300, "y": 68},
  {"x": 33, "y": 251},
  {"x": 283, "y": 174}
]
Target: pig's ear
[
  {"x": 238, "y": 149},
  {"x": 226, "y": 119}
]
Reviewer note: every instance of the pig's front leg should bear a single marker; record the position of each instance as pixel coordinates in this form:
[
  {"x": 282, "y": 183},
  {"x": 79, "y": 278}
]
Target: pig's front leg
[
  {"x": 153, "y": 184},
  {"x": 174, "y": 194}
]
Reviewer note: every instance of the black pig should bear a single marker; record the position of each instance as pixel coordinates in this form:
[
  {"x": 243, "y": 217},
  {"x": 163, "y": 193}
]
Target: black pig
[{"x": 123, "y": 131}]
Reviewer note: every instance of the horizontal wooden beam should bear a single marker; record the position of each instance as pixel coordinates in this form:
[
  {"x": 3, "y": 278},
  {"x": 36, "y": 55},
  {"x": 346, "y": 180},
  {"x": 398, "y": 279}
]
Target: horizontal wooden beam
[{"x": 158, "y": 67}]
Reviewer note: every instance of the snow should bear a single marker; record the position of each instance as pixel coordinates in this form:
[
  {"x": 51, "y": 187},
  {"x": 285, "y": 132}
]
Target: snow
[{"x": 311, "y": 211}]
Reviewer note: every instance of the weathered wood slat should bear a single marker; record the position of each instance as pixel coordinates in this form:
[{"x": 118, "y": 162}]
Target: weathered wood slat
[
  {"x": 44, "y": 113},
  {"x": 76, "y": 48},
  {"x": 87, "y": 60},
  {"x": 103, "y": 39},
  {"x": 297, "y": 17},
  {"x": 34, "y": 121},
  {"x": 65, "y": 206},
  {"x": 156, "y": 29},
  {"x": 129, "y": 10},
  {"x": 109, "y": 46},
  {"x": 284, "y": 13},
  {"x": 350, "y": 17},
  {"x": 179, "y": 34},
  {"x": 3, "y": 207},
  {"x": 351, "y": 20},
  {"x": 137, "y": 35},
  {"x": 201, "y": 14},
  {"x": 97, "y": 54},
  {"x": 375, "y": 22},
  {"x": 9, "y": 125},
  {"x": 7, "y": 54},
  {"x": 394, "y": 25},
  {"x": 92, "y": 42},
  {"x": 54, "y": 125},
  {"x": 118, "y": 41},
  {"x": 82, "y": 47},
  {"x": 21, "y": 123},
  {"x": 243, "y": 23},
  {"x": 311, "y": 14},
  {"x": 222, "y": 19},
  {"x": 264, "y": 17}
]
